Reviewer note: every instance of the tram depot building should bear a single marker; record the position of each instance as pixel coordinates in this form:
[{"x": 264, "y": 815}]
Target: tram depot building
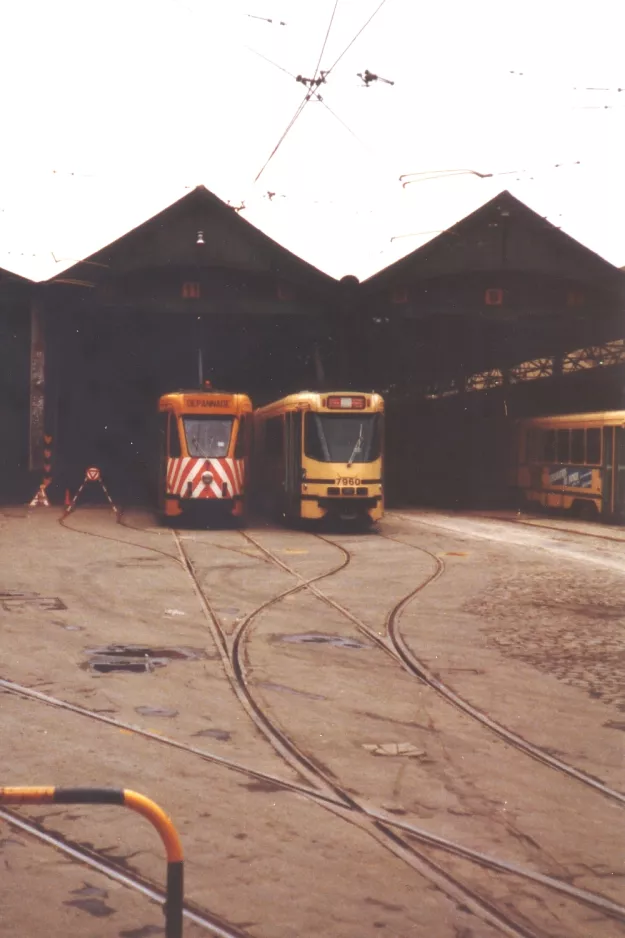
[{"x": 501, "y": 316}]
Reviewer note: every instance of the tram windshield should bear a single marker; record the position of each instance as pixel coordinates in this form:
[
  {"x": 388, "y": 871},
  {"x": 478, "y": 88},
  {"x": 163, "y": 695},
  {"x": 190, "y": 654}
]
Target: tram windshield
[
  {"x": 206, "y": 436},
  {"x": 345, "y": 438}
]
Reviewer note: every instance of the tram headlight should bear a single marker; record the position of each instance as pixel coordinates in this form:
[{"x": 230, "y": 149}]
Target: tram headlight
[{"x": 207, "y": 478}]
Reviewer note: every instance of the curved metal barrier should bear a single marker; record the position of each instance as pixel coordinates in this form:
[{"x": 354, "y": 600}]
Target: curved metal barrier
[{"x": 129, "y": 799}]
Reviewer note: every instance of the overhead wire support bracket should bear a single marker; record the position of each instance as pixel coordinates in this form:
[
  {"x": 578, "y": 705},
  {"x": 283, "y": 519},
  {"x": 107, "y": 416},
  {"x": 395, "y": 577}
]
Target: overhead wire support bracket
[
  {"x": 312, "y": 82},
  {"x": 369, "y": 77}
]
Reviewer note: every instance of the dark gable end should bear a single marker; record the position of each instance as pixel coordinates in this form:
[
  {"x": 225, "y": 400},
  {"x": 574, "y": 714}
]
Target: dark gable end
[
  {"x": 502, "y": 235},
  {"x": 9, "y": 278},
  {"x": 15, "y": 290},
  {"x": 170, "y": 240}
]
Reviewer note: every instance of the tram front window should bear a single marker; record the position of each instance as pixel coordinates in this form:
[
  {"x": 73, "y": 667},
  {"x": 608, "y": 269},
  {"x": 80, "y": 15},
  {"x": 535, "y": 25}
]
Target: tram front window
[
  {"x": 206, "y": 436},
  {"x": 344, "y": 438}
]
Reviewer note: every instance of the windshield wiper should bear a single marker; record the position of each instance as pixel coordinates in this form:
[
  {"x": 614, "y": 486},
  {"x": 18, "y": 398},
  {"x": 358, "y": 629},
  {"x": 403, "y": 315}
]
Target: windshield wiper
[
  {"x": 357, "y": 447},
  {"x": 198, "y": 448}
]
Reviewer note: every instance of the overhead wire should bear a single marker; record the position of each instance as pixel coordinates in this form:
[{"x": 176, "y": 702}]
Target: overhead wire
[
  {"x": 429, "y": 175},
  {"x": 361, "y": 30},
  {"x": 325, "y": 41},
  {"x": 315, "y": 95},
  {"x": 309, "y": 93},
  {"x": 299, "y": 110},
  {"x": 572, "y": 87},
  {"x": 302, "y": 104}
]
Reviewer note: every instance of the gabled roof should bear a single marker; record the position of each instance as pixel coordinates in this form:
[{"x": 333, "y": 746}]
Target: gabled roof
[
  {"x": 10, "y": 277},
  {"x": 170, "y": 239},
  {"x": 503, "y": 234}
]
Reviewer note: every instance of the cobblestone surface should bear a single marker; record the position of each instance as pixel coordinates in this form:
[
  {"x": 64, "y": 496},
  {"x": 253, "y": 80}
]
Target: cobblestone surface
[{"x": 571, "y": 630}]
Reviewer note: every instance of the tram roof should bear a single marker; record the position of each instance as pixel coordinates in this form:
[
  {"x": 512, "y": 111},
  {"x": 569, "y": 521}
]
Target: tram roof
[
  {"x": 474, "y": 244},
  {"x": 313, "y": 398}
]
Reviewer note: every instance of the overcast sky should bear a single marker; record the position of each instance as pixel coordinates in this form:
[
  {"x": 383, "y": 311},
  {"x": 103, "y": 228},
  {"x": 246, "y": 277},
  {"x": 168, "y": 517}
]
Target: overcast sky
[{"x": 111, "y": 111}]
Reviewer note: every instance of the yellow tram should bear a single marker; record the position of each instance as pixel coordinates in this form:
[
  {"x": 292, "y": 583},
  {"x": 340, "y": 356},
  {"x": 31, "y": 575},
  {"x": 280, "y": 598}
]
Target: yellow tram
[
  {"x": 319, "y": 455},
  {"x": 574, "y": 462},
  {"x": 204, "y": 439}
]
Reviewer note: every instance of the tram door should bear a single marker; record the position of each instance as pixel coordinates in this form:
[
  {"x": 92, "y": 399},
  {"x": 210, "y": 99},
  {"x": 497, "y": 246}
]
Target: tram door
[
  {"x": 168, "y": 445},
  {"x": 293, "y": 451},
  {"x": 163, "y": 422}
]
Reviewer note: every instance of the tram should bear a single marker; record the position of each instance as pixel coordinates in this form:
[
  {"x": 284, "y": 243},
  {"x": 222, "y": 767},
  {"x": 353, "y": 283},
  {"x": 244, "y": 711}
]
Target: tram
[
  {"x": 574, "y": 462},
  {"x": 204, "y": 444},
  {"x": 320, "y": 455}
]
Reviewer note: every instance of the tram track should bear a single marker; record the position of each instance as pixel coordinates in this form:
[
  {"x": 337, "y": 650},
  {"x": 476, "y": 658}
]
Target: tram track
[
  {"x": 356, "y": 811},
  {"x": 549, "y": 527},
  {"x": 592, "y": 900},
  {"x": 394, "y": 644},
  {"x": 230, "y": 652},
  {"x": 326, "y": 791},
  {"x": 98, "y": 863}
]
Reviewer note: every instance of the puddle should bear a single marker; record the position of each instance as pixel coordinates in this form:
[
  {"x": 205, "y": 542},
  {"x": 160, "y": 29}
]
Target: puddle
[
  {"x": 137, "y": 562},
  {"x": 222, "y": 735},
  {"x": 68, "y": 628},
  {"x": 394, "y": 749},
  {"x": 317, "y": 638},
  {"x": 138, "y": 659},
  {"x": 156, "y": 712},
  {"x": 262, "y": 786},
  {"x": 88, "y": 890},
  {"x": 144, "y": 932},
  {"x": 96, "y": 907},
  {"x": 291, "y": 690}
]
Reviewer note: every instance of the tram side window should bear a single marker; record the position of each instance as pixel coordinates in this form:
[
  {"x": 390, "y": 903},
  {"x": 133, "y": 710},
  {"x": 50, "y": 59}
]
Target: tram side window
[
  {"x": 174, "y": 437},
  {"x": 562, "y": 446},
  {"x": 593, "y": 446},
  {"x": 239, "y": 450},
  {"x": 577, "y": 447},
  {"x": 273, "y": 436},
  {"x": 550, "y": 445}
]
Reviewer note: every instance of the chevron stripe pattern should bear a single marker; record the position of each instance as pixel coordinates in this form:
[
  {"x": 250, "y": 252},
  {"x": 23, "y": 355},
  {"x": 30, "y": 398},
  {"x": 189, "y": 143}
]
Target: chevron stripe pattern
[{"x": 229, "y": 472}]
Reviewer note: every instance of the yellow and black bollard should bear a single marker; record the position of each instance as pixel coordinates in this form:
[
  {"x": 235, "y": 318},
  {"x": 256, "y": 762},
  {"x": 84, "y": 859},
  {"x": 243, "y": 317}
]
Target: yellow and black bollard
[{"x": 139, "y": 803}]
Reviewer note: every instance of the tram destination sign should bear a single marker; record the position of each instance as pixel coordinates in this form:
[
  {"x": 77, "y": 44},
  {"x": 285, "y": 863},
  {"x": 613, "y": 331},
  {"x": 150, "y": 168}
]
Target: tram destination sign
[{"x": 207, "y": 403}]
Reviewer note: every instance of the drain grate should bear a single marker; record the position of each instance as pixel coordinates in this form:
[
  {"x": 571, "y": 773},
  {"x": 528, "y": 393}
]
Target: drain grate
[
  {"x": 137, "y": 659},
  {"x": 11, "y": 600}
]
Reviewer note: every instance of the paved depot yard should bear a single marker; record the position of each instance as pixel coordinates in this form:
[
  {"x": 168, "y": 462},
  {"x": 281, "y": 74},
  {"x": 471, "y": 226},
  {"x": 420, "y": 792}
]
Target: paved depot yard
[{"x": 525, "y": 622}]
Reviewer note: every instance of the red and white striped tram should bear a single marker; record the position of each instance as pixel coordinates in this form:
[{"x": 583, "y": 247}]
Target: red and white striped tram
[{"x": 204, "y": 452}]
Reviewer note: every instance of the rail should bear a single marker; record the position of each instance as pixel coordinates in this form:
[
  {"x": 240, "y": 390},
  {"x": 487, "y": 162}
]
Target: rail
[{"x": 136, "y": 802}]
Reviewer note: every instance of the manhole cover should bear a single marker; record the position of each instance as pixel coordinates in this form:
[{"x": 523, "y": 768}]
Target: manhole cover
[
  {"x": 318, "y": 638},
  {"x": 137, "y": 659}
]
